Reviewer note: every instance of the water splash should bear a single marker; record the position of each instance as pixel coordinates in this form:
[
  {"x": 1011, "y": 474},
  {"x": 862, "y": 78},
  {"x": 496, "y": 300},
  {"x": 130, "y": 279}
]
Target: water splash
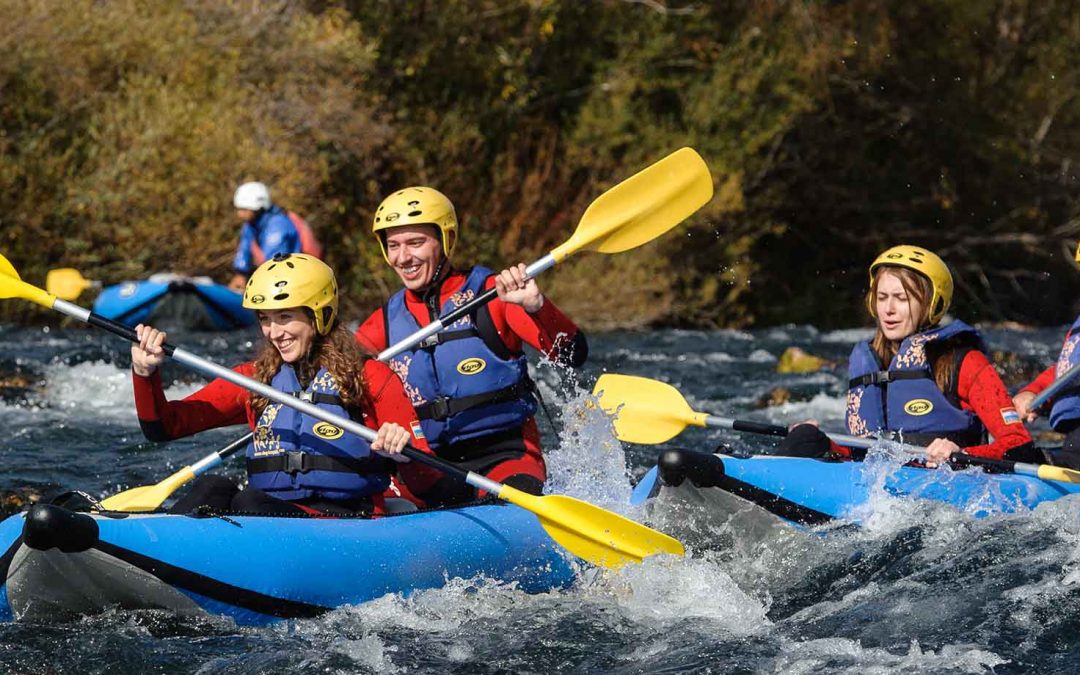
[{"x": 97, "y": 388}]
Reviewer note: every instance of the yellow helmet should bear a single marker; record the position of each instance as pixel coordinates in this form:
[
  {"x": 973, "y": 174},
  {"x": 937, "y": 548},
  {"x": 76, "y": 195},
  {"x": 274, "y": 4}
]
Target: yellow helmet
[
  {"x": 295, "y": 280},
  {"x": 925, "y": 263},
  {"x": 417, "y": 206}
]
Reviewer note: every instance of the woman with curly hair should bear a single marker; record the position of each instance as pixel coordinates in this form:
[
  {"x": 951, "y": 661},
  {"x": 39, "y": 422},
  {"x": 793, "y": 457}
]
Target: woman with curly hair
[{"x": 296, "y": 463}]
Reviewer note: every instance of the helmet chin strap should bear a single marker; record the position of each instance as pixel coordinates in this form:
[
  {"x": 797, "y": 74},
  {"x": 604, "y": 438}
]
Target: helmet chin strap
[{"x": 432, "y": 289}]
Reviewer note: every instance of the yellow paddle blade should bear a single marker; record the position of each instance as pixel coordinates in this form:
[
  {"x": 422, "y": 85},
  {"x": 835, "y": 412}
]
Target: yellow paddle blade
[
  {"x": 647, "y": 411},
  {"x": 1059, "y": 473},
  {"x": 66, "y": 283},
  {"x": 595, "y": 535},
  {"x": 11, "y": 286},
  {"x": 7, "y": 269},
  {"x": 148, "y": 497},
  {"x": 643, "y": 206}
]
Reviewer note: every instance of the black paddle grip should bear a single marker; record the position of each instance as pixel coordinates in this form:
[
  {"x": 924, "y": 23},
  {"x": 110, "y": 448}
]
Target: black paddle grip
[
  {"x": 759, "y": 428},
  {"x": 435, "y": 462},
  {"x": 122, "y": 330}
]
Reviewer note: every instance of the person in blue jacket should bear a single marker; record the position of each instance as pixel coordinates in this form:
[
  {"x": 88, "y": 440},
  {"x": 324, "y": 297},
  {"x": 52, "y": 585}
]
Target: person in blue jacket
[{"x": 267, "y": 230}]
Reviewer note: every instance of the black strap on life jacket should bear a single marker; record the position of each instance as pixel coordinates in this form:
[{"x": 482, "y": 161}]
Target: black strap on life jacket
[
  {"x": 432, "y": 341},
  {"x": 302, "y": 462},
  {"x": 886, "y": 376},
  {"x": 315, "y": 397},
  {"x": 444, "y": 407}
]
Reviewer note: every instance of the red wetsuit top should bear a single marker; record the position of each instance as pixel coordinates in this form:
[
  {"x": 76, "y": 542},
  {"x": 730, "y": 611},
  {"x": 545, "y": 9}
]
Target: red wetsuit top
[
  {"x": 1042, "y": 380},
  {"x": 222, "y": 403},
  {"x": 1046, "y": 377},
  {"x": 981, "y": 390},
  {"x": 549, "y": 331}
]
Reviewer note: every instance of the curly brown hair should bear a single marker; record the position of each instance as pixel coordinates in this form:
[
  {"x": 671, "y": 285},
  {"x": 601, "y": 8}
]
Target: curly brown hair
[{"x": 337, "y": 351}]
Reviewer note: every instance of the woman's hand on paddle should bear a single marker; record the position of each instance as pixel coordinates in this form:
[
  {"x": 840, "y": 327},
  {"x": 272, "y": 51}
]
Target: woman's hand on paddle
[
  {"x": 513, "y": 288},
  {"x": 390, "y": 440},
  {"x": 147, "y": 354},
  {"x": 1022, "y": 401},
  {"x": 939, "y": 451}
]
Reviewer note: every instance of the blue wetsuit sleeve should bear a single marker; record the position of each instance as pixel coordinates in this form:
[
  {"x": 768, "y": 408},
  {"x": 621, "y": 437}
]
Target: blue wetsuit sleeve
[{"x": 243, "y": 261}]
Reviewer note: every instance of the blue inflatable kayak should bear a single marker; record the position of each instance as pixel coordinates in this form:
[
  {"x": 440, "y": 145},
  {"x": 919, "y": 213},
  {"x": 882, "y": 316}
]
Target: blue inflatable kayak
[
  {"x": 193, "y": 303},
  {"x": 809, "y": 492},
  {"x": 56, "y": 563}
]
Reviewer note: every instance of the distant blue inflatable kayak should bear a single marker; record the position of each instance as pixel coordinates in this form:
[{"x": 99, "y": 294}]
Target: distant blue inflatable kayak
[
  {"x": 170, "y": 300},
  {"x": 809, "y": 492},
  {"x": 55, "y": 563}
]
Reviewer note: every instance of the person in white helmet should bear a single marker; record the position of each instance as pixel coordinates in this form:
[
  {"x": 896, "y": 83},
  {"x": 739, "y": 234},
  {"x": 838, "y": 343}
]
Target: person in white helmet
[{"x": 267, "y": 230}]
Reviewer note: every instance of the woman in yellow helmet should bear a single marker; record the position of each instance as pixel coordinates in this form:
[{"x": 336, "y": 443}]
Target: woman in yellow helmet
[
  {"x": 929, "y": 382},
  {"x": 295, "y": 463},
  {"x": 470, "y": 385}
]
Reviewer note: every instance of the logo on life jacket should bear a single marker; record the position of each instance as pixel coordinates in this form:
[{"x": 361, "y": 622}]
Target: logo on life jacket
[
  {"x": 918, "y": 407},
  {"x": 327, "y": 431},
  {"x": 471, "y": 366}
]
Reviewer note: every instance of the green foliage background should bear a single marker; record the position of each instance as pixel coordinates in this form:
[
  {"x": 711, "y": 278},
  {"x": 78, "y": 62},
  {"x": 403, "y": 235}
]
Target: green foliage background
[{"x": 833, "y": 130}]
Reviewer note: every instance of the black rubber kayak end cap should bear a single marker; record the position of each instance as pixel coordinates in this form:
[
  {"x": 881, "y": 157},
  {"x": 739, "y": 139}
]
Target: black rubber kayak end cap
[
  {"x": 703, "y": 470},
  {"x": 49, "y": 526}
]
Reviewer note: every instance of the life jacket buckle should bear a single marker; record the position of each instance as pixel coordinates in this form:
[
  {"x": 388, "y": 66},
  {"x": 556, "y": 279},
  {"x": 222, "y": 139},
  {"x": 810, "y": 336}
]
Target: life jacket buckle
[
  {"x": 294, "y": 463},
  {"x": 439, "y": 408},
  {"x": 429, "y": 342}
]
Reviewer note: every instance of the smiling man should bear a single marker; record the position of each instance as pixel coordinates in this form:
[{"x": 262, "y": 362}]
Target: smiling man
[{"x": 469, "y": 383}]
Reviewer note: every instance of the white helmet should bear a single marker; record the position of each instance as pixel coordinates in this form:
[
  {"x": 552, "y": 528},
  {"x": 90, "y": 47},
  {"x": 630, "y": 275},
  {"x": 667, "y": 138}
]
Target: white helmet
[{"x": 253, "y": 196}]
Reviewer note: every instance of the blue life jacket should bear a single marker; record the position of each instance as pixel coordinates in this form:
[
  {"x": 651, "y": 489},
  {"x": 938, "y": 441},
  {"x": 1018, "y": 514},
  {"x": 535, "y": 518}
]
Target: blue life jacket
[
  {"x": 295, "y": 456},
  {"x": 463, "y": 381},
  {"x": 271, "y": 232},
  {"x": 1066, "y": 406},
  {"x": 905, "y": 398}
]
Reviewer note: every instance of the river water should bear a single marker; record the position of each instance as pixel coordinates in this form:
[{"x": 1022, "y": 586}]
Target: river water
[{"x": 922, "y": 588}]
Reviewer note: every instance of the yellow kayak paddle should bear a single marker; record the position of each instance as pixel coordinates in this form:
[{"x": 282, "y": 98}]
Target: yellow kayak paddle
[
  {"x": 634, "y": 212},
  {"x": 67, "y": 283}
]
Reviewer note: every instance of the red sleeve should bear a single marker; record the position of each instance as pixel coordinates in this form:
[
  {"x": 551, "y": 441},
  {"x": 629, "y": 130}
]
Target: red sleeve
[
  {"x": 1042, "y": 381},
  {"x": 548, "y": 331},
  {"x": 218, "y": 404},
  {"x": 1046, "y": 377},
  {"x": 389, "y": 403},
  {"x": 371, "y": 335},
  {"x": 981, "y": 390},
  {"x": 839, "y": 450}
]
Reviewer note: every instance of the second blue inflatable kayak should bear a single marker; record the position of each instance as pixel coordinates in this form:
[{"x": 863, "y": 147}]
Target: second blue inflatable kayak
[
  {"x": 809, "y": 492},
  {"x": 170, "y": 300}
]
